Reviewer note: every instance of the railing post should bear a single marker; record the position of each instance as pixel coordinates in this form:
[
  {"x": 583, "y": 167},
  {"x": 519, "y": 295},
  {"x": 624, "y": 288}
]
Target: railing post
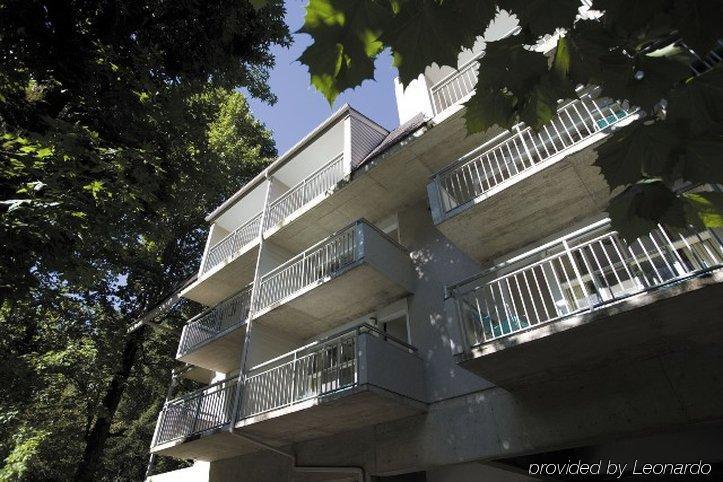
[
  {"x": 356, "y": 357},
  {"x": 520, "y": 133},
  {"x": 577, "y": 272},
  {"x": 293, "y": 379},
  {"x": 359, "y": 241},
  {"x": 196, "y": 415}
]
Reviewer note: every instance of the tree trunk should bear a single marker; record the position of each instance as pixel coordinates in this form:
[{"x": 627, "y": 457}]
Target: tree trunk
[{"x": 98, "y": 435}]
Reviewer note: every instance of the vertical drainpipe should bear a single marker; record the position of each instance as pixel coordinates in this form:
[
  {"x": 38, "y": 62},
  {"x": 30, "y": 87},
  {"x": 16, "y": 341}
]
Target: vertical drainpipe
[{"x": 252, "y": 309}]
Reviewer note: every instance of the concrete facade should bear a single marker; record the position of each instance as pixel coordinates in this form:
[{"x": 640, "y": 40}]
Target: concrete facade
[{"x": 362, "y": 367}]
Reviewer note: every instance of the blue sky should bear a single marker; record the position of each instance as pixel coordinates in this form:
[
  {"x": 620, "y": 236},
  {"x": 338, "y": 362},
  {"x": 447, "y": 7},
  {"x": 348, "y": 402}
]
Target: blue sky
[{"x": 300, "y": 107}]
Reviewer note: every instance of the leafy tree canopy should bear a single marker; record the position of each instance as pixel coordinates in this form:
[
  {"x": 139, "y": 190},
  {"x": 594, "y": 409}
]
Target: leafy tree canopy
[
  {"x": 638, "y": 52},
  {"x": 119, "y": 130}
]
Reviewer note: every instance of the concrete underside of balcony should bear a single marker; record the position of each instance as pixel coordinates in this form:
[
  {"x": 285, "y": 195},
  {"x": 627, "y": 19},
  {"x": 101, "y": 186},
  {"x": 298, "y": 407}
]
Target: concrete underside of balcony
[
  {"x": 198, "y": 374},
  {"x": 684, "y": 316},
  {"x": 525, "y": 209},
  {"x": 346, "y": 410},
  {"x": 357, "y": 290},
  {"x": 222, "y": 353},
  {"x": 224, "y": 280},
  {"x": 393, "y": 181},
  {"x": 209, "y": 446}
]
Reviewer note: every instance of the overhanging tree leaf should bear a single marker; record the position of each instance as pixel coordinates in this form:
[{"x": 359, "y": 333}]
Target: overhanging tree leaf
[
  {"x": 633, "y": 52},
  {"x": 641, "y": 207},
  {"x": 425, "y": 32},
  {"x": 639, "y": 150},
  {"x": 703, "y": 159},
  {"x": 704, "y": 209},
  {"x": 698, "y": 22},
  {"x": 508, "y": 64},
  {"x": 345, "y": 43},
  {"x": 540, "y": 105},
  {"x": 487, "y": 108},
  {"x": 697, "y": 105},
  {"x": 543, "y": 16}
]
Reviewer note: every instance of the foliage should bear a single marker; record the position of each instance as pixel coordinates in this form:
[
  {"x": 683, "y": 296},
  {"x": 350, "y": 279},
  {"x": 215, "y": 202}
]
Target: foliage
[
  {"x": 640, "y": 55},
  {"x": 119, "y": 130}
]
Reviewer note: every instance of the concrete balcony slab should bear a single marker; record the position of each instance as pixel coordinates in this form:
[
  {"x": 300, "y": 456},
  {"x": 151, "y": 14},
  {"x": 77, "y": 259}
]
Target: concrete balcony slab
[{"x": 345, "y": 276}]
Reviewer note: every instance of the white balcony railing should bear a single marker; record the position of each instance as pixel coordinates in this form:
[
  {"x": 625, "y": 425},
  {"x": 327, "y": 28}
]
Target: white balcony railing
[
  {"x": 319, "y": 369},
  {"x": 506, "y": 160},
  {"x": 457, "y": 85},
  {"x": 582, "y": 271},
  {"x": 215, "y": 321},
  {"x": 196, "y": 412},
  {"x": 313, "y": 265},
  {"x": 316, "y": 184},
  {"x": 233, "y": 244}
]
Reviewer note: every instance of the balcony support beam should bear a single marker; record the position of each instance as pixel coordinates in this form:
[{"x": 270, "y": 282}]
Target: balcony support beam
[{"x": 360, "y": 473}]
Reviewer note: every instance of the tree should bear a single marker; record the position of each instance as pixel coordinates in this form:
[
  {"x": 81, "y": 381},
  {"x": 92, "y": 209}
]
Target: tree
[
  {"x": 639, "y": 54},
  {"x": 120, "y": 130}
]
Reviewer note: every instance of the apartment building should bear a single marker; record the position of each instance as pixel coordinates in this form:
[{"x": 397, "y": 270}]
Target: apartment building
[{"x": 425, "y": 305}]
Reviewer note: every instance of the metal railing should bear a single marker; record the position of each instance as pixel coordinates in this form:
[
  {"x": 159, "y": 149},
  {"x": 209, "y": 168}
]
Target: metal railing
[
  {"x": 582, "y": 271},
  {"x": 457, "y": 85},
  {"x": 233, "y": 243},
  {"x": 209, "y": 324},
  {"x": 196, "y": 412},
  {"x": 316, "y": 184},
  {"x": 479, "y": 172},
  {"x": 318, "y": 369},
  {"x": 316, "y": 263}
]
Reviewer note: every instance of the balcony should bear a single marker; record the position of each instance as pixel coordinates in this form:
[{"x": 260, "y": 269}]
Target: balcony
[
  {"x": 213, "y": 339},
  {"x": 588, "y": 298},
  {"x": 455, "y": 87},
  {"x": 232, "y": 245},
  {"x": 344, "y": 276},
  {"x": 331, "y": 386},
  {"x": 524, "y": 185},
  {"x": 308, "y": 177},
  {"x": 311, "y": 189},
  {"x": 229, "y": 262},
  {"x": 195, "y": 425}
]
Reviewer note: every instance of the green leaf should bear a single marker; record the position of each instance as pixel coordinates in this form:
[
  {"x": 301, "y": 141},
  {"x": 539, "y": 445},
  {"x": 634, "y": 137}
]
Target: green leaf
[
  {"x": 434, "y": 31},
  {"x": 641, "y": 207},
  {"x": 562, "y": 59},
  {"x": 507, "y": 64},
  {"x": 95, "y": 187},
  {"x": 540, "y": 106},
  {"x": 698, "y": 22},
  {"x": 258, "y": 4},
  {"x": 487, "y": 108},
  {"x": 345, "y": 43},
  {"x": 698, "y": 104},
  {"x": 585, "y": 45},
  {"x": 643, "y": 80},
  {"x": 705, "y": 209},
  {"x": 641, "y": 149},
  {"x": 703, "y": 161},
  {"x": 542, "y": 16}
]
